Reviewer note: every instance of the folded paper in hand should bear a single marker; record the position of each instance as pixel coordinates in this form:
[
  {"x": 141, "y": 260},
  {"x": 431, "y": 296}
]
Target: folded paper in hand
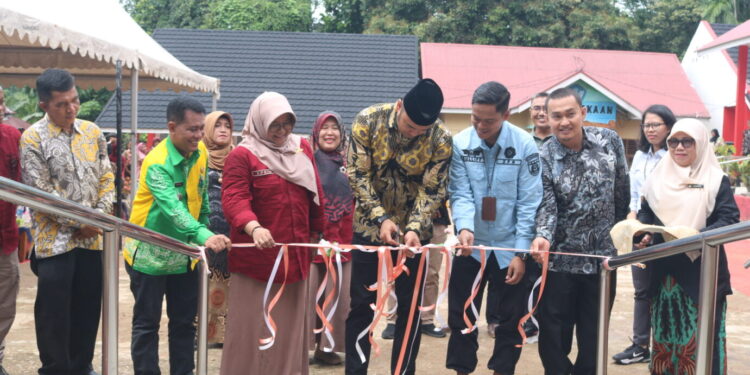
[{"x": 622, "y": 235}]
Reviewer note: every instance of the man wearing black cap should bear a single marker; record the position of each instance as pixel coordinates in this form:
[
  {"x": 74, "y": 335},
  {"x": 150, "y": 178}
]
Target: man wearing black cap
[{"x": 398, "y": 169}]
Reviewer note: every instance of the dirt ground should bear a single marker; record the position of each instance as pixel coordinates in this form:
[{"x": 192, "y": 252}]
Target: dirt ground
[{"x": 22, "y": 356}]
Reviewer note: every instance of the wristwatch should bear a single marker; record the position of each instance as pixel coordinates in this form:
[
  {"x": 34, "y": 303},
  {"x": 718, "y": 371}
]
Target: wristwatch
[{"x": 523, "y": 256}]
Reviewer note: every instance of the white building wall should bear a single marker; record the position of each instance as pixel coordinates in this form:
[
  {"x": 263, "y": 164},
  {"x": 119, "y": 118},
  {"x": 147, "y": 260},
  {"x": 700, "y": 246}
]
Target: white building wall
[{"x": 713, "y": 76}]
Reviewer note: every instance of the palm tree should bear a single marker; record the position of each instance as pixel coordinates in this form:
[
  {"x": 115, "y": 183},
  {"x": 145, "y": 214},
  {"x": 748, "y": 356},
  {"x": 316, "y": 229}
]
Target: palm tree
[{"x": 721, "y": 11}]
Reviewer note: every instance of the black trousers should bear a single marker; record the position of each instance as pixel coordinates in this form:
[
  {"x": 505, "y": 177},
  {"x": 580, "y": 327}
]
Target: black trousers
[
  {"x": 493, "y": 296},
  {"x": 364, "y": 274},
  {"x": 510, "y": 307},
  {"x": 641, "y": 306},
  {"x": 493, "y": 285},
  {"x": 570, "y": 301},
  {"x": 182, "y": 304},
  {"x": 67, "y": 310}
]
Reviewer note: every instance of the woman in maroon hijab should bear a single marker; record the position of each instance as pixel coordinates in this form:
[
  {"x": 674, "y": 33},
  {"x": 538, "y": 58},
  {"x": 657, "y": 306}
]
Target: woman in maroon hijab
[{"x": 329, "y": 142}]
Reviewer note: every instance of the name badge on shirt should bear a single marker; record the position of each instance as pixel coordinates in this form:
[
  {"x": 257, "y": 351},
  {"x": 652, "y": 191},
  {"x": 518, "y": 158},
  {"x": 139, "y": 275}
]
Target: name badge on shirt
[
  {"x": 261, "y": 172},
  {"x": 695, "y": 186},
  {"x": 516, "y": 162},
  {"x": 489, "y": 206},
  {"x": 472, "y": 156}
]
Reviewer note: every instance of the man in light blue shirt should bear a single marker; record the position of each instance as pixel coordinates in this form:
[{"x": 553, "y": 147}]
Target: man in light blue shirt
[{"x": 495, "y": 188}]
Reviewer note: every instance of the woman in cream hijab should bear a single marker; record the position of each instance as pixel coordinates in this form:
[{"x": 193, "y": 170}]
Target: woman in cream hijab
[
  {"x": 218, "y": 140},
  {"x": 687, "y": 188},
  {"x": 271, "y": 194}
]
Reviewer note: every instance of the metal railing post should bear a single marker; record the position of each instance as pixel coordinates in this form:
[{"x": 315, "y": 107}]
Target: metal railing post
[
  {"x": 114, "y": 228},
  {"x": 605, "y": 282},
  {"x": 202, "y": 362},
  {"x": 707, "y": 308},
  {"x": 134, "y": 175},
  {"x": 110, "y": 285}
]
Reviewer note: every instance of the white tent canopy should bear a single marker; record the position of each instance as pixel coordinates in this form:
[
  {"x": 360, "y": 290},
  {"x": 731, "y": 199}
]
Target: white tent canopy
[{"x": 86, "y": 37}]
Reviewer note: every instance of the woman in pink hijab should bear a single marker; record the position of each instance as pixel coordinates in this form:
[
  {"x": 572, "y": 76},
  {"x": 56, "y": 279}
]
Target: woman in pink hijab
[{"x": 271, "y": 193}]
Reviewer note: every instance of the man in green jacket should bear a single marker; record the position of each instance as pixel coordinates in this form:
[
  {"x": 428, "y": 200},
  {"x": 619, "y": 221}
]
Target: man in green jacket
[{"x": 171, "y": 199}]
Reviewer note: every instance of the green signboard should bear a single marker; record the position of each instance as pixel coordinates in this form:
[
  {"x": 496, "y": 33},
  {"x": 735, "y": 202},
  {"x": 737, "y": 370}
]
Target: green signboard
[{"x": 599, "y": 108}]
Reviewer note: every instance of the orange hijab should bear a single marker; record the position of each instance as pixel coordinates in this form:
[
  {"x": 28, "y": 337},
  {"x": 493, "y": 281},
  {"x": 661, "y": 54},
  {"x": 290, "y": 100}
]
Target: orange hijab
[{"x": 217, "y": 153}]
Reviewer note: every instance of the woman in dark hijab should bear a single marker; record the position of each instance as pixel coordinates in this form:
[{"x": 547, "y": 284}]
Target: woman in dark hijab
[{"x": 329, "y": 143}]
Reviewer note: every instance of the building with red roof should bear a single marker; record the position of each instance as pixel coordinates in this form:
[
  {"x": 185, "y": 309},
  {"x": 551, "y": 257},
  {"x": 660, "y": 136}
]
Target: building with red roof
[
  {"x": 616, "y": 85},
  {"x": 714, "y": 76}
]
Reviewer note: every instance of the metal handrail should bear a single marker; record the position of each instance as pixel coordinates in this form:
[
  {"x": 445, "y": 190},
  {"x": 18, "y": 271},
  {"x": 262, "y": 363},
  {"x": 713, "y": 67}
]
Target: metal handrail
[
  {"x": 737, "y": 160},
  {"x": 114, "y": 228},
  {"x": 714, "y": 237},
  {"x": 708, "y": 242}
]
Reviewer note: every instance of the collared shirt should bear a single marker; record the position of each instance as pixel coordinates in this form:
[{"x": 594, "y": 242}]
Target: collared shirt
[
  {"x": 585, "y": 194},
  {"x": 539, "y": 141},
  {"x": 514, "y": 167},
  {"x": 396, "y": 176},
  {"x": 643, "y": 164},
  {"x": 172, "y": 199},
  {"x": 10, "y": 167},
  {"x": 72, "y": 166}
]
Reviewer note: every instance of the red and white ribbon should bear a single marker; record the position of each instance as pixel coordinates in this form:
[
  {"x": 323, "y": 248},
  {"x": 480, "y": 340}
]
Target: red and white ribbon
[
  {"x": 268, "y": 342},
  {"x": 387, "y": 273}
]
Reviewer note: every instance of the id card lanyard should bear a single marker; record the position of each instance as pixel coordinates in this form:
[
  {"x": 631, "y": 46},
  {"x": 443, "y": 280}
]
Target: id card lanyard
[{"x": 489, "y": 202}]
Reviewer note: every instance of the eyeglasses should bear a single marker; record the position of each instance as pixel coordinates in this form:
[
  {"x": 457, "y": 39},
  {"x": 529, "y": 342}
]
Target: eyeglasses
[
  {"x": 287, "y": 125},
  {"x": 538, "y": 108},
  {"x": 686, "y": 142},
  {"x": 651, "y": 125}
]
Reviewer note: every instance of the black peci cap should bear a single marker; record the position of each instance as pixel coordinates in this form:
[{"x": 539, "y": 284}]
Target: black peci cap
[{"x": 424, "y": 102}]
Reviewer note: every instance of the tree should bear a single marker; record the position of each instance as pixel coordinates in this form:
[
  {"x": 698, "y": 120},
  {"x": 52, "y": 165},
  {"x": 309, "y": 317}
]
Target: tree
[
  {"x": 663, "y": 25},
  {"x": 154, "y": 14},
  {"x": 279, "y": 15},
  {"x": 560, "y": 23},
  {"x": 722, "y": 11},
  {"x": 551, "y": 23},
  {"x": 343, "y": 16},
  {"x": 460, "y": 22},
  {"x": 24, "y": 102},
  {"x": 647, "y": 25},
  {"x": 92, "y": 102}
]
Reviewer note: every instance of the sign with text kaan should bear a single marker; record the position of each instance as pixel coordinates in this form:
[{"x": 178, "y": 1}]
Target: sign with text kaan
[
  {"x": 599, "y": 108},
  {"x": 600, "y": 111}
]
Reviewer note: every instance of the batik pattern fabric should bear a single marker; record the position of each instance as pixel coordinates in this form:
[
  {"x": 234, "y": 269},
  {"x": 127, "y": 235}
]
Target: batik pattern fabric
[
  {"x": 217, "y": 224},
  {"x": 218, "y": 283},
  {"x": 585, "y": 194},
  {"x": 396, "y": 176},
  {"x": 72, "y": 166},
  {"x": 218, "y": 291},
  {"x": 674, "y": 318}
]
